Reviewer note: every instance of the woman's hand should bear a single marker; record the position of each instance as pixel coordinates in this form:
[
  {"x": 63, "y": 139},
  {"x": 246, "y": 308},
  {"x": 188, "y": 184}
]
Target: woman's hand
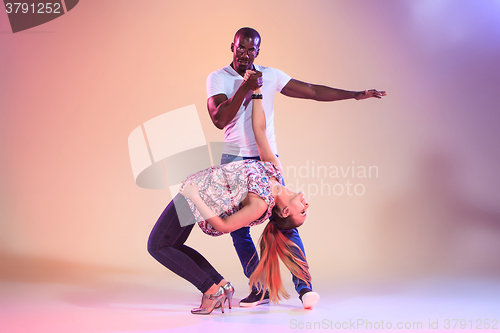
[{"x": 189, "y": 191}]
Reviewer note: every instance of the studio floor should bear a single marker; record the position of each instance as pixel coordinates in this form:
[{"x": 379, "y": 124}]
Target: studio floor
[{"x": 133, "y": 303}]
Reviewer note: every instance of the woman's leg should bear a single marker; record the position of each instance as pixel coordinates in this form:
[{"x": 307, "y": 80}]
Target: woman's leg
[
  {"x": 166, "y": 244},
  {"x": 202, "y": 263}
]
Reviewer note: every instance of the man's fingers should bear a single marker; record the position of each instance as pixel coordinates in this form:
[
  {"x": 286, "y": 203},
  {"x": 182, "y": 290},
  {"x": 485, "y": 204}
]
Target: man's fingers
[
  {"x": 378, "y": 93},
  {"x": 254, "y": 78}
]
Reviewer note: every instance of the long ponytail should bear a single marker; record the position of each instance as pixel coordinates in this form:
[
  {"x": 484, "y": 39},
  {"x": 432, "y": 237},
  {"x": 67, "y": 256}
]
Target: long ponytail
[{"x": 267, "y": 275}]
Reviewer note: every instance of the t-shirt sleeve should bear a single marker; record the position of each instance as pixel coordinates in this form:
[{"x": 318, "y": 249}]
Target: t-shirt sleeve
[
  {"x": 215, "y": 86},
  {"x": 281, "y": 79}
]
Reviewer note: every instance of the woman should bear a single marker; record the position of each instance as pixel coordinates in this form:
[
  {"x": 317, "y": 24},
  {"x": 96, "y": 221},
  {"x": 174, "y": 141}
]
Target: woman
[{"x": 225, "y": 198}]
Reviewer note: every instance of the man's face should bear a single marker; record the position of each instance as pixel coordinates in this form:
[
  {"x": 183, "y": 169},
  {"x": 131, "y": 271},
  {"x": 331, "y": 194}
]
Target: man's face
[{"x": 245, "y": 50}]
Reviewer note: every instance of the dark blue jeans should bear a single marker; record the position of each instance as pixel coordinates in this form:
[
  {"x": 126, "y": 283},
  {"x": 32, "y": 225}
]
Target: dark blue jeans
[
  {"x": 243, "y": 242},
  {"x": 166, "y": 244}
]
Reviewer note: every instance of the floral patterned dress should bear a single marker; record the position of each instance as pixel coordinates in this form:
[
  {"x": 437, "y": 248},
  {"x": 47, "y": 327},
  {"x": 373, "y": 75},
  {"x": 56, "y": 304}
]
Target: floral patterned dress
[{"x": 224, "y": 187}]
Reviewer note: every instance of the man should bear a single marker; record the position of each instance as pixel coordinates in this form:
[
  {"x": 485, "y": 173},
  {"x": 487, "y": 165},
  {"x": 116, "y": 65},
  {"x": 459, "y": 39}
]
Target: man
[{"x": 230, "y": 108}]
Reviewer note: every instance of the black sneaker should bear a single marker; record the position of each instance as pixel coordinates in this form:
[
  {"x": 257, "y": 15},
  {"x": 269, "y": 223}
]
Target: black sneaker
[{"x": 254, "y": 299}]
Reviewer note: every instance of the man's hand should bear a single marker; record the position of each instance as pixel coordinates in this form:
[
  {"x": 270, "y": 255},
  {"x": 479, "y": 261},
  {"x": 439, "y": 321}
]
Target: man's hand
[
  {"x": 247, "y": 75},
  {"x": 253, "y": 79},
  {"x": 369, "y": 93}
]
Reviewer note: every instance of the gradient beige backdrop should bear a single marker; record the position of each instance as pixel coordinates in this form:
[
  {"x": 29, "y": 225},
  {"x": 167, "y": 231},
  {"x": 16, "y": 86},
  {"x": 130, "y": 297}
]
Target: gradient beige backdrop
[{"x": 72, "y": 90}]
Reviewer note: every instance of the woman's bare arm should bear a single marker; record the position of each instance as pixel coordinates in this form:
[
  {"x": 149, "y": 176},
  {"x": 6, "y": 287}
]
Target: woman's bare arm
[
  {"x": 249, "y": 213},
  {"x": 259, "y": 130}
]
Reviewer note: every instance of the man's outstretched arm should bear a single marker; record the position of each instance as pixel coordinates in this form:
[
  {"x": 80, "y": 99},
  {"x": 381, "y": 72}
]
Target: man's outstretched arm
[{"x": 298, "y": 89}]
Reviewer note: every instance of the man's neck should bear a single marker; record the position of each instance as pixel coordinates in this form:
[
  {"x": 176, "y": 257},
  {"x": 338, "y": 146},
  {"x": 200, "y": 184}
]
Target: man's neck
[{"x": 231, "y": 64}]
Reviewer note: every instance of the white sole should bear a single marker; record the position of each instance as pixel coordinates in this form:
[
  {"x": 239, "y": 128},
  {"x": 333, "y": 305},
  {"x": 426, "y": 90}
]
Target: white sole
[
  {"x": 249, "y": 305},
  {"x": 310, "y": 299}
]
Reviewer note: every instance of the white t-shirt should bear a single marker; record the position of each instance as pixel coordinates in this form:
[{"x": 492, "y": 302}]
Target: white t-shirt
[{"x": 239, "y": 137}]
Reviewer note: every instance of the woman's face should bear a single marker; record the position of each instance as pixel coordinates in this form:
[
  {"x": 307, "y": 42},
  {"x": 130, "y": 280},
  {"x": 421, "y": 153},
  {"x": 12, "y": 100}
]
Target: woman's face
[{"x": 294, "y": 206}]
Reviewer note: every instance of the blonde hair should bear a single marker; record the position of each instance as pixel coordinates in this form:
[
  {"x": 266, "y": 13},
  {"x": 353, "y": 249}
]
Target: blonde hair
[{"x": 267, "y": 275}]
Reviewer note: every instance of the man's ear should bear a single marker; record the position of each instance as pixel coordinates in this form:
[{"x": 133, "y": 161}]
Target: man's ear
[
  {"x": 232, "y": 47},
  {"x": 256, "y": 54}
]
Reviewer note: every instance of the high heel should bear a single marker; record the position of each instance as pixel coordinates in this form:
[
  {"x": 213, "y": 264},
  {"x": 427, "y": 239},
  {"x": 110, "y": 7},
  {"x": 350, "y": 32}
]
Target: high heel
[
  {"x": 228, "y": 293},
  {"x": 213, "y": 301}
]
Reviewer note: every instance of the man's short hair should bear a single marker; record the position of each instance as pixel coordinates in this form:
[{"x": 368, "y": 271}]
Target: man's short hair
[{"x": 247, "y": 32}]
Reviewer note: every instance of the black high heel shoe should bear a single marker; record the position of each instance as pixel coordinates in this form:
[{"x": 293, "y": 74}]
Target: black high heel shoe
[{"x": 211, "y": 302}]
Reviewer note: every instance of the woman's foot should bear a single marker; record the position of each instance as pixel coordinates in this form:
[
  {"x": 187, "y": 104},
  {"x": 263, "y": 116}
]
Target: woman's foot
[
  {"x": 228, "y": 293},
  {"x": 210, "y": 300}
]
